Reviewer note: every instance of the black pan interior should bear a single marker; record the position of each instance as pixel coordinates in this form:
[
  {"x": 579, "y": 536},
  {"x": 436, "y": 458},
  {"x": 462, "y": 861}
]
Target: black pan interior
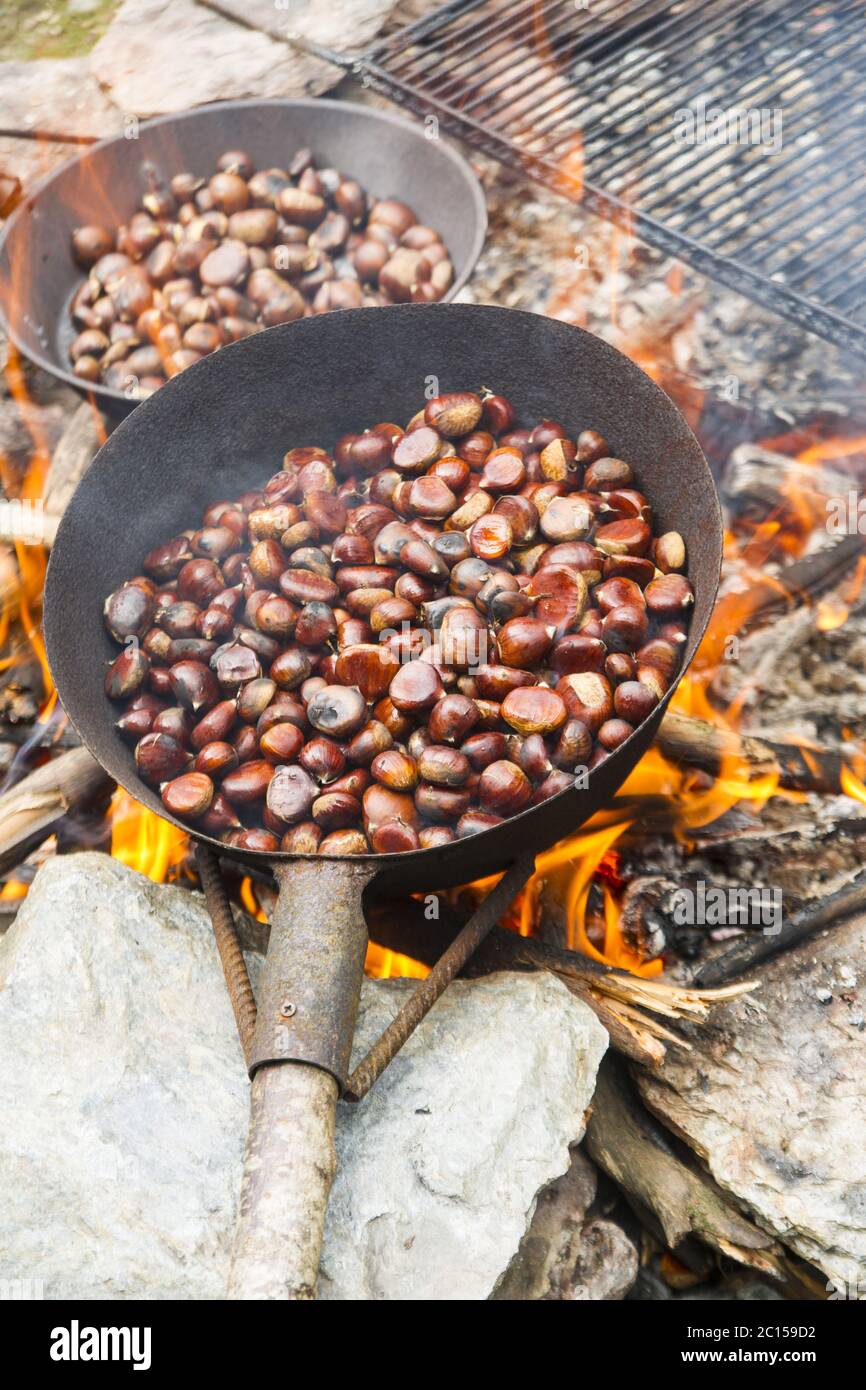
[
  {"x": 223, "y": 426},
  {"x": 391, "y": 157}
]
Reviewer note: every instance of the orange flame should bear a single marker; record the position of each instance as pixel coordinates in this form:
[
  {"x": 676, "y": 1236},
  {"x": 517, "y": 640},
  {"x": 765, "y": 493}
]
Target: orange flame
[
  {"x": 852, "y": 785},
  {"x": 144, "y": 841}
]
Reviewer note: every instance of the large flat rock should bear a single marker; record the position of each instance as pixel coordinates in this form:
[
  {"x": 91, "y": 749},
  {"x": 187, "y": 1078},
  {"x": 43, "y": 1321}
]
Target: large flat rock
[
  {"x": 440, "y": 1165},
  {"x": 159, "y": 56},
  {"x": 56, "y": 95},
  {"x": 125, "y": 1107},
  {"x": 123, "y": 1087}
]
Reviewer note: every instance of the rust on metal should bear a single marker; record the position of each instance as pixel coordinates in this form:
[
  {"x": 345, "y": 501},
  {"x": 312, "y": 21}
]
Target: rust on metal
[
  {"x": 449, "y": 965},
  {"x": 316, "y": 950},
  {"x": 234, "y": 966}
]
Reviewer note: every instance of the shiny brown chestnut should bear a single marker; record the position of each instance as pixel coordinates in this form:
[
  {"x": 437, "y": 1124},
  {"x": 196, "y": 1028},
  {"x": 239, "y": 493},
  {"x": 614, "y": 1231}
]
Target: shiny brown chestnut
[
  {"x": 188, "y": 796},
  {"x": 454, "y": 414},
  {"x": 281, "y": 743},
  {"x": 395, "y": 770},
  {"x": 534, "y": 709},
  {"x": 216, "y": 758},
  {"x": 634, "y": 701},
  {"x": 669, "y": 595},
  {"x": 159, "y": 757},
  {"x": 441, "y": 804},
  {"x": 574, "y": 745},
  {"x": 443, "y": 766},
  {"x": 625, "y": 628},
  {"x": 504, "y": 788}
]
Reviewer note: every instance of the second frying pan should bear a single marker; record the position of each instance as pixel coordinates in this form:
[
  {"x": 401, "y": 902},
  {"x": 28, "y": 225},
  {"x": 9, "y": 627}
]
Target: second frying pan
[{"x": 389, "y": 155}]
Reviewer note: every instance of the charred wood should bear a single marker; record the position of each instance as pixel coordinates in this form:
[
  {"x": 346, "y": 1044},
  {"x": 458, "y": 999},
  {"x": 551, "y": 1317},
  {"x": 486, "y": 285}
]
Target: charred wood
[
  {"x": 745, "y": 954},
  {"x": 68, "y": 785},
  {"x": 680, "y": 1205},
  {"x": 682, "y": 738}
]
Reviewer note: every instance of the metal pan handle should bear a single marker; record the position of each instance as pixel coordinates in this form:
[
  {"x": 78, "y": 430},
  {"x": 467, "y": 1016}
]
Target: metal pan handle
[{"x": 298, "y": 1066}]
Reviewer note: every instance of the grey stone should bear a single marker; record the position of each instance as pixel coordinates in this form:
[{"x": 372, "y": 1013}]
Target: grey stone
[
  {"x": 606, "y": 1266},
  {"x": 440, "y": 1165},
  {"x": 123, "y": 1090},
  {"x": 346, "y": 27},
  {"x": 124, "y": 1108},
  {"x": 159, "y": 56},
  {"x": 57, "y": 95},
  {"x": 773, "y": 1099},
  {"x": 567, "y": 1255}
]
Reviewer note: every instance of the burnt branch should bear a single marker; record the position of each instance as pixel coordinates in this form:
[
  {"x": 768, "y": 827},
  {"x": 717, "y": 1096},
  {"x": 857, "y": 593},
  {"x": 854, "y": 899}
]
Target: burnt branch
[
  {"x": 678, "y": 1203},
  {"x": 32, "y": 809},
  {"x": 751, "y": 951},
  {"x": 799, "y": 767}
]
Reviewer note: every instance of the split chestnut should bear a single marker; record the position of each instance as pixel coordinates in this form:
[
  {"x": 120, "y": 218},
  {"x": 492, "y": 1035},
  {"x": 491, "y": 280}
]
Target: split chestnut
[{"x": 405, "y": 640}]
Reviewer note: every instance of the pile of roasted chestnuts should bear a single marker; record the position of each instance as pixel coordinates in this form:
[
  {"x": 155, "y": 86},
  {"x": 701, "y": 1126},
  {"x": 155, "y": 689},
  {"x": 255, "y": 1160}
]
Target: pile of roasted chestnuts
[
  {"x": 206, "y": 262},
  {"x": 401, "y": 641}
]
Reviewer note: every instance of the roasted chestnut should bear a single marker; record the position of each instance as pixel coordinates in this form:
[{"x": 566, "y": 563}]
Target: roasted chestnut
[
  {"x": 209, "y": 261},
  {"x": 406, "y": 641}
]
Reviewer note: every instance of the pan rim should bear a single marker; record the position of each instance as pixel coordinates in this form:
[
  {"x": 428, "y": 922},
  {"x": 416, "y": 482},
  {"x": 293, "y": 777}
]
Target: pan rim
[
  {"x": 96, "y": 392},
  {"x": 183, "y": 382}
]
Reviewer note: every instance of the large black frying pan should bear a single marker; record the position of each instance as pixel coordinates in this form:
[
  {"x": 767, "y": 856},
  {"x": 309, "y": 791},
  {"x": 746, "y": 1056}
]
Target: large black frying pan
[
  {"x": 221, "y": 428},
  {"x": 389, "y": 156}
]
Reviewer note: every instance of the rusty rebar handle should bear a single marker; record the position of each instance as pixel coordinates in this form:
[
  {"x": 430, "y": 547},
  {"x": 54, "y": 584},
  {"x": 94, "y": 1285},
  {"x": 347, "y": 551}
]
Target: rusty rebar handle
[
  {"x": 237, "y": 979},
  {"x": 424, "y": 996},
  {"x": 449, "y": 965}
]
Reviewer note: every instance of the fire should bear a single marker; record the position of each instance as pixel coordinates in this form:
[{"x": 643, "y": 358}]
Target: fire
[
  {"x": 586, "y": 867},
  {"x": 852, "y": 785},
  {"x": 13, "y": 890},
  {"x": 144, "y": 841},
  {"x": 382, "y": 964},
  {"x": 24, "y": 598},
  {"x": 854, "y": 768},
  {"x": 833, "y": 612}
]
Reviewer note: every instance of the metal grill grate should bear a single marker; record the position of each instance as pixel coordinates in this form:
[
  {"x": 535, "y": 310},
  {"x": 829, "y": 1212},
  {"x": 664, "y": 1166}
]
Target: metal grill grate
[{"x": 616, "y": 102}]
